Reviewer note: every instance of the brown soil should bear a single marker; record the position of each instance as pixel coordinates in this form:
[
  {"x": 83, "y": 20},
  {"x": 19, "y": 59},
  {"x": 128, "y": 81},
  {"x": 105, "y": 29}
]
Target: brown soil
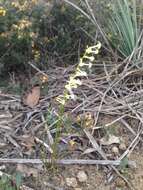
[{"x": 97, "y": 177}]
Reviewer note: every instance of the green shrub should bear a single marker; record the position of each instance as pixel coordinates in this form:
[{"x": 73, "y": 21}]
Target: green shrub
[
  {"x": 31, "y": 30},
  {"x": 66, "y": 33}
]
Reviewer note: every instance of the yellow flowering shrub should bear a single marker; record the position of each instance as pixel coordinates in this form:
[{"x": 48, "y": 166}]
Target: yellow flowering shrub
[
  {"x": 40, "y": 31},
  {"x": 2, "y": 11},
  {"x": 18, "y": 32}
]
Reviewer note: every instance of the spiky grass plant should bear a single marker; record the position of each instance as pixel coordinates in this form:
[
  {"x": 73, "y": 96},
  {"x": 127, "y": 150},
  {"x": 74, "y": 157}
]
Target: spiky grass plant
[{"x": 124, "y": 29}]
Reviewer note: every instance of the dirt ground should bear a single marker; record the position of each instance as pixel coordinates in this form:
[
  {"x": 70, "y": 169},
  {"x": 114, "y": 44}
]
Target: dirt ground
[
  {"x": 98, "y": 178},
  {"x": 14, "y": 134}
]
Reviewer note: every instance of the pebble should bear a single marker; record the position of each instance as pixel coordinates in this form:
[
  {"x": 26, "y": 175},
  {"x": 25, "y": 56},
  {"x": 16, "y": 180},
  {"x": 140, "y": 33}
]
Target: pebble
[
  {"x": 115, "y": 150},
  {"x": 71, "y": 182},
  {"x": 122, "y": 146},
  {"x": 120, "y": 183},
  {"x": 82, "y": 177}
]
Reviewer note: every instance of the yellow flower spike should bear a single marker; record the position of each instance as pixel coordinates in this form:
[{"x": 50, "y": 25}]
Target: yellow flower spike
[
  {"x": 73, "y": 82},
  {"x": 91, "y": 58},
  {"x": 70, "y": 86},
  {"x": 80, "y": 73},
  {"x": 81, "y": 63},
  {"x": 67, "y": 86},
  {"x": 93, "y": 49},
  {"x": 72, "y": 78},
  {"x": 89, "y": 50}
]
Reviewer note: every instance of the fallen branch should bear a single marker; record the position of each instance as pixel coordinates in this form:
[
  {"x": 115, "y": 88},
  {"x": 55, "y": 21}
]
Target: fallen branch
[{"x": 65, "y": 162}]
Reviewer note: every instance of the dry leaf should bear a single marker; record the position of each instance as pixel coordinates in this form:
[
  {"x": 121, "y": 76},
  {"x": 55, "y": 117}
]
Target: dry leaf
[
  {"x": 27, "y": 141},
  {"x": 31, "y": 99},
  {"x": 87, "y": 120},
  {"x": 110, "y": 140}
]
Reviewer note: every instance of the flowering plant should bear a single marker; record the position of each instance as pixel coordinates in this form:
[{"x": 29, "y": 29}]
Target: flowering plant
[{"x": 74, "y": 81}]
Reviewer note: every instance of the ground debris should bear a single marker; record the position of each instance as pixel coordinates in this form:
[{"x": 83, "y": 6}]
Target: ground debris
[
  {"x": 82, "y": 176},
  {"x": 71, "y": 182}
]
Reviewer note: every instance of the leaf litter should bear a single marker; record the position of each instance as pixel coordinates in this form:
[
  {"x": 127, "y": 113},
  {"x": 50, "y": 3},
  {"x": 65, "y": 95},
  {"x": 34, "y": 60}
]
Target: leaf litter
[{"x": 116, "y": 98}]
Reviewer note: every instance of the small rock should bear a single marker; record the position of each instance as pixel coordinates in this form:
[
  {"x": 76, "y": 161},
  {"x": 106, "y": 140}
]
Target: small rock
[
  {"x": 122, "y": 146},
  {"x": 120, "y": 183},
  {"x": 110, "y": 140},
  {"x": 115, "y": 150},
  {"x": 77, "y": 188},
  {"x": 71, "y": 182},
  {"x": 82, "y": 177}
]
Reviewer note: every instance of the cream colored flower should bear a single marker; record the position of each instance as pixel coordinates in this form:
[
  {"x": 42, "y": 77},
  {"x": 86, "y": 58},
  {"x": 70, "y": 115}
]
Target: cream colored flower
[
  {"x": 80, "y": 73},
  {"x": 91, "y": 58}
]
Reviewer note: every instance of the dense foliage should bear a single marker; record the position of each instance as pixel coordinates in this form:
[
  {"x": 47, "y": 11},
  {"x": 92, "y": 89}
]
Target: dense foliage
[{"x": 42, "y": 31}]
